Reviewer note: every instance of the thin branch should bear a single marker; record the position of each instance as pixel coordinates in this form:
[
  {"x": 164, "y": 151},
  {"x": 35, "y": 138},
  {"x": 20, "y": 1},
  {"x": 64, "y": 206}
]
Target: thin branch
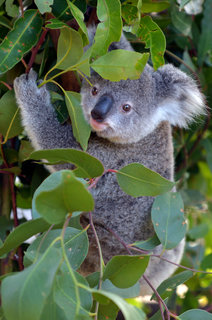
[
  {"x": 6, "y": 85},
  {"x": 36, "y": 48},
  {"x": 21, "y": 7},
  {"x": 100, "y": 258}
]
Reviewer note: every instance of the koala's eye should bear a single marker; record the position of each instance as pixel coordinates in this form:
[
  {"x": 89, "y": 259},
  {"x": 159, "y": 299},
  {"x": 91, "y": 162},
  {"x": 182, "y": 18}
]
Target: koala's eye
[
  {"x": 126, "y": 107},
  {"x": 94, "y": 91}
]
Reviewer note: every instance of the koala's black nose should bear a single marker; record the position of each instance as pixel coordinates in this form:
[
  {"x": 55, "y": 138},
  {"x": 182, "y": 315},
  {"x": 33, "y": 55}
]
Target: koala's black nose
[{"x": 102, "y": 108}]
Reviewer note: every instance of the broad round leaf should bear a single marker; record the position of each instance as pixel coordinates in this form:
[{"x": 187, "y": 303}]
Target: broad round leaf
[
  {"x": 125, "y": 271},
  {"x": 168, "y": 219},
  {"x": 196, "y": 314},
  {"x": 129, "y": 311},
  {"x": 76, "y": 245},
  {"x": 61, "y": 193},
  {"x": 137, "y": 180},
  {"x": 31, "y": 287},
  {"x": 148, "y": 244},
  {"x": 88, "y": 166}
]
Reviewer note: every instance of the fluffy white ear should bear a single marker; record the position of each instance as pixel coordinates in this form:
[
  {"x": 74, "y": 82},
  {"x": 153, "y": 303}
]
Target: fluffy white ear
[{"x": 179, "y": 100}]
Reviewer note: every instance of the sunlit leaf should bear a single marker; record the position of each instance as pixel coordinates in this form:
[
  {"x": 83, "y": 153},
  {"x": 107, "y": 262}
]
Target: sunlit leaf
[
  {"x": 195, "y": 314},
  {"x": 115, "y": 65},
  {"x": 44, "y": 6},
  {"x": 137, "y": 180}
]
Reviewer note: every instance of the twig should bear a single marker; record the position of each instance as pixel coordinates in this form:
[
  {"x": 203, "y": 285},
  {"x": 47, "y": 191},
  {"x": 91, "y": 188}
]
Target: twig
[
  {"x": 6, "y": 85},
  {"x": 100, "y": 258},
  {"x": 22, "y": 7},
  {"x": 35, "y": 49}
]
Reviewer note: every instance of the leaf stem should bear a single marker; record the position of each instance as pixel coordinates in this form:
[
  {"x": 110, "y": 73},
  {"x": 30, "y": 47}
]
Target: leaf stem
[{"x": 100, "y": 258}]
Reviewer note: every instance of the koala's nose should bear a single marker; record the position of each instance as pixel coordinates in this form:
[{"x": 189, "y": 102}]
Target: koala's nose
[{"x": 102, "y": 108}]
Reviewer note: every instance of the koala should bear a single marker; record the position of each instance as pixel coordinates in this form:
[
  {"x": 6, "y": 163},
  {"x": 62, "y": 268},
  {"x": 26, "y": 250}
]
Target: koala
[{"x": 131, "y": 122}]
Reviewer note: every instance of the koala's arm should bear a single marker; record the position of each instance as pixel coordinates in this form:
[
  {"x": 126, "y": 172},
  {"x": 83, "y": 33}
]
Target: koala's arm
[
  {"x": 179, "y": 99},
  {"x": 39, "y": 117}
]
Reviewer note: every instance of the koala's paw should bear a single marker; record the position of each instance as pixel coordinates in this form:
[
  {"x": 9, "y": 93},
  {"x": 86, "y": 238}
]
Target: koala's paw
[{"x": 27, "y": 91}]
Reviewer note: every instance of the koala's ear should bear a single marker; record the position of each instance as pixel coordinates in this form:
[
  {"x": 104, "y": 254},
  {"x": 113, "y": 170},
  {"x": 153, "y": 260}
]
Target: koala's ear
[{"x": 178, "y": 97}]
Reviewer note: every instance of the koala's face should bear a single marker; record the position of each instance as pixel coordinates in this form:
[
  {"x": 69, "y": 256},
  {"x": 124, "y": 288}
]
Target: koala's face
[{"x": 119, "y": 111}]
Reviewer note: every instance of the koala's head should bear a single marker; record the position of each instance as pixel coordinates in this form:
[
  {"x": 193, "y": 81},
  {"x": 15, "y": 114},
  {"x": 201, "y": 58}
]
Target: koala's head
[{"x": 128, "y": 110}]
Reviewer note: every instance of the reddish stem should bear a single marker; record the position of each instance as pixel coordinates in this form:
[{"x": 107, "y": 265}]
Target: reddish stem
[
  {"x": 22, "y": 7},
  {"x": 6, "y": 85},
  {"x": 35, "y": 49}
]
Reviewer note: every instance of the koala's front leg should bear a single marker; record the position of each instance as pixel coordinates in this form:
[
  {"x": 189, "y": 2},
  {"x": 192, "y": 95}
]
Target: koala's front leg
[{"x": 39, "y": 117}]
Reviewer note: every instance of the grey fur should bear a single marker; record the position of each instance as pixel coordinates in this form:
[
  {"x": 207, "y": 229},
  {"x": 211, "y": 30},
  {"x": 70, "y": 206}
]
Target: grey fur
[{"x": 142, "y": 135}]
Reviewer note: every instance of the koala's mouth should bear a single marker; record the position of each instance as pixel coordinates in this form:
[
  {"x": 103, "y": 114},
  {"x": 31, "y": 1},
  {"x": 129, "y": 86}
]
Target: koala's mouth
[{"x": 98, "y": 126}]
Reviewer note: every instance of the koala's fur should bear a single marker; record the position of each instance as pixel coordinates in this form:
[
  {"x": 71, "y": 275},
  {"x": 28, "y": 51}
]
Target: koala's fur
[{"x": 158, "y": 99}]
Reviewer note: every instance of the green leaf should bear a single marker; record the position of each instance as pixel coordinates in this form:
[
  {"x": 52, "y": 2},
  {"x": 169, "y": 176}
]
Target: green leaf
[
  {"x": 137, "y": 180},
  {"x": 205, "y": 39},
  {"x": 125, "y": 271},
  {"x": 125, "y": 293},
  {"x": 44, "y": 6},
  {"x": 11, "y": 9},
  {"x": 181, "y": 21},
  {"x": 198, "y": 231},
  {"x": 69, "y": 49},
  {"x": 129, "y": 311},
  {"x": 5, "y": 22},
  {"x": 65, "y": 295},
  {"x": 79, "y": 17},
  {"x": 56, "y": 24},
  {"x": 31, "y": 288},
  {"x": 88, "y": 166},
  {"x": 207, "y": 262},
  {"x": 15, "y": 170},
  {"x": 20, "y": 39},
  {"x": 81, "y": 128},
  {"x": 195, "y": 314},
  {"x": 10, "y": 120},
  {"x": 148, "y": 244},
  {"x": 61, "y": 193},
  {"x": 149, "y": 32},
  {"x": 151, "y": 6},
  {"x": 115, "y": 65},
  {"x": 172, "y": 283},
  {"x": 208, "y": 147},
  {"x": 168, "y": 219},
  {"x": 23, "y": 232},
  {"x": 25, "y": 150},
  {"x": 61, "y": 10},
  {"x": 109, "y": 30},
  {"x": 76, "y": 245}
]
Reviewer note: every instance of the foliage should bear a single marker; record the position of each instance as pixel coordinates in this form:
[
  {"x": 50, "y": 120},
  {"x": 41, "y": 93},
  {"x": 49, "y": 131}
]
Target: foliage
[{"x": 50, "y": 283}]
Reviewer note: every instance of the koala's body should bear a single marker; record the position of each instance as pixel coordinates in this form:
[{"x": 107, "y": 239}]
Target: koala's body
[{"x": 131, "y": 121}]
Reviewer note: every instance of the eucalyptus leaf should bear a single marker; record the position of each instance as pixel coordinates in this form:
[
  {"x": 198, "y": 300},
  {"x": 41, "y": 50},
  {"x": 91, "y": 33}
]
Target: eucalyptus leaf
[
  {"x": 23, "y": 232},
  {"x": 61, "y": 194},
  {"x": 181, "y": 20},
  {"x": 129, "y": 311},
  {"x": 20, "y": 39},
  {"x": 10, "y": 120},
  {"x": 115, "y": 65},
  {"x": 110, "y": 27},
  {"x": 125, "y": 271},
  {"x": 195, "y": 314},
  {"x": 31, "y": 287},
  {"x": 44, "y": 6},
  {"x": 148, "y": 244},
  {"x": 89, "y": 167},
  {"x": 149, "y": 32},
  {"x": 207, "y": 143},
  {"x": 152, "y": 6},
  {"x": 76, "y": 245},
  {"x": 172, "y": 283},
  {"x": 81, "y": 128},
  {"x": 205, "y": 39},
  {"x": 69, "y": 49},
  {"x": 137, "y": 180},
  {"x": 168, "y": 219}
]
